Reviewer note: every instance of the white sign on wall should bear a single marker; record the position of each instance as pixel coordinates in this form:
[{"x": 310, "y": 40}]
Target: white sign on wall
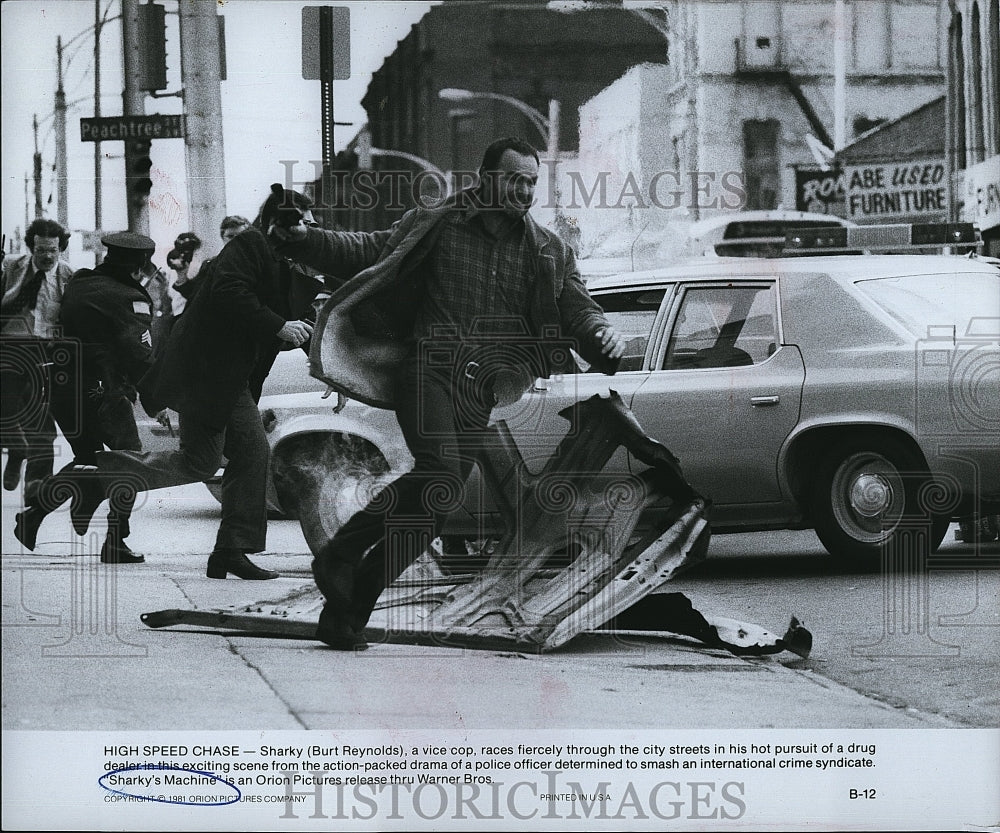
[
  {"x": 892, "y": 190},
  {"x": 982, "y": 194}
]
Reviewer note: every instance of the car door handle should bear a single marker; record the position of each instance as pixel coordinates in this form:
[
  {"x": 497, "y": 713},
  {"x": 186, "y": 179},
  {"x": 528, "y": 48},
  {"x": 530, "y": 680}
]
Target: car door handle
[{"x": 764, "y": 401}]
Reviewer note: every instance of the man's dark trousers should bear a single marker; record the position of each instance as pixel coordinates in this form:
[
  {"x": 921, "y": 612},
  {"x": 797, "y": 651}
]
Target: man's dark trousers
[
  {"x": 443, "y": 415},
  {"x": 90, "y": 422},
  {"x": 202, "y": 446}
]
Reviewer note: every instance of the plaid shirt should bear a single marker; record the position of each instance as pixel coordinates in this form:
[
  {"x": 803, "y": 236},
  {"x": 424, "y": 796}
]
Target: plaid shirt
[{"x": 476, "y": 283}]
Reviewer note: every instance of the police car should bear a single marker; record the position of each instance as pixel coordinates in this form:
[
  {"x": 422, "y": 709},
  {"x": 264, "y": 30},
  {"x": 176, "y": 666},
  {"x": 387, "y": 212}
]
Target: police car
[{"x": 854, "y": 394}]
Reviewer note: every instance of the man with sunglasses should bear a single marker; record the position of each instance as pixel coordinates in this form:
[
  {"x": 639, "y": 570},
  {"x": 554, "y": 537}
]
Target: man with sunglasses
[{"x": 31, "y": 291}]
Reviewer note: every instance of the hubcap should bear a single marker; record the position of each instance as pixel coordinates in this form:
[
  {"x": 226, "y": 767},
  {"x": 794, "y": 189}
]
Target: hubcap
[
  {"x": 867, "y": 496},
  {"x": 871, "y": 495}
]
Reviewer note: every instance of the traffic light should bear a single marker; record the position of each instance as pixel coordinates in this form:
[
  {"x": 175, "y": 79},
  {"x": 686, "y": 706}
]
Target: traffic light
[
  {"x": 152, "y": 33},
  {"x": 138, "y": 164}
]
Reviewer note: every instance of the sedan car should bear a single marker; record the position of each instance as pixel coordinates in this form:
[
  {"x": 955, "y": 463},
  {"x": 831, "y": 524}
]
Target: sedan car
[{"x": 855, "y": 395}]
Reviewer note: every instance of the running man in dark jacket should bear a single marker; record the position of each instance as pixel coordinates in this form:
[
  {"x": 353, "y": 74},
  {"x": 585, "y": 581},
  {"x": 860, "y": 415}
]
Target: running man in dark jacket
[
  {"x": 215, "y": 360},
  {"x": 451, "y": 311}
]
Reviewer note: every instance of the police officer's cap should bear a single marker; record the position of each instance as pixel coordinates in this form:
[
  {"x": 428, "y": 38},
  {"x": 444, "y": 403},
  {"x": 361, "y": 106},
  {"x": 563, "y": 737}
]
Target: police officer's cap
[{"x": 127, "y": 246}]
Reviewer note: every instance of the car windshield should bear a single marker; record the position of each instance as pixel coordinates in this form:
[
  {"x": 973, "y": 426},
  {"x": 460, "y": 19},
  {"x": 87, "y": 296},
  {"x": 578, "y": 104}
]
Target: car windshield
[{"x": 963, "y": 300}]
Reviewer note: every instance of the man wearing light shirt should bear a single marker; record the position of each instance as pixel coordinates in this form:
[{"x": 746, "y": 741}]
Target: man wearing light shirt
[{"x": 30, "y": 299}]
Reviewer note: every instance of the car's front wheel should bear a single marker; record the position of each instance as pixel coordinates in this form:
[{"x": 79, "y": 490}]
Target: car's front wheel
[{"x": 866, "y": 491}]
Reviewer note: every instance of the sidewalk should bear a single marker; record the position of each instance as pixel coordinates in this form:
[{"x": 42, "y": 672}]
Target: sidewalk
[{"x": 77, "y": 656}]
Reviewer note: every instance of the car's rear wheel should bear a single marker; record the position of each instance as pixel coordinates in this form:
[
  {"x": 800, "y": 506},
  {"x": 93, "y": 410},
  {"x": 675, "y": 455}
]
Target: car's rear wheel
[
  {"x": 323, "y": 479},
  {"x": 866, "y": 490}
]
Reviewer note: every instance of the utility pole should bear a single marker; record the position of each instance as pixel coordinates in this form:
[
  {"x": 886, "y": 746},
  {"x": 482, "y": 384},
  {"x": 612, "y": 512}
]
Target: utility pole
[
  {"x": 60, "y": 129},
  {"x": 553, "y": 154},
  {"x": 133, "y": 103},
  {"x": 692, "y": 139},
  {"x": 326, "y": 45},
  {"x": 37, "y": 170},
  {"x": 326, "y": 57},
  {"x": 553, "y": 137},
  {"x": 840, "y": 35},
  {"x": 200, "y": 78},
  {"x": 98, "y": 197}
]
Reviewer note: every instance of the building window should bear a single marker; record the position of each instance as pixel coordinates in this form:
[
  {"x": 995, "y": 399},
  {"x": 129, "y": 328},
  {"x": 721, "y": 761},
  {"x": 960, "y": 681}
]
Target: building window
[{"x": 760, "y": 163}]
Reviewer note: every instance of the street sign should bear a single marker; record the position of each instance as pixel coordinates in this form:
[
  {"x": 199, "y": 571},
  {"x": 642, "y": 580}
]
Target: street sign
[
  {"x": 338, "y": 56},
  {"x": 122, "y": 128}
]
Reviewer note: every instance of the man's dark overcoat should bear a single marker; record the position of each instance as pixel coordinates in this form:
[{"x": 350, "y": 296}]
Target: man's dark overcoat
[{"x": 227, "y": 337}]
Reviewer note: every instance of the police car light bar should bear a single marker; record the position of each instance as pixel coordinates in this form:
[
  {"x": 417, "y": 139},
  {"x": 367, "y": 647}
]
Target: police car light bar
[{"x": 895, "y": 237}]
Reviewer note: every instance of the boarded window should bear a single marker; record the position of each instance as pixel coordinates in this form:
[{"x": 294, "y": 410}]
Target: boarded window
[{"x": 761, "y": 165}]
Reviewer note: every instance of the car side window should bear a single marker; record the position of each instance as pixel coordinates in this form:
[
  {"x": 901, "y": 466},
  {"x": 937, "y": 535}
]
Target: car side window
[
  {"x": 723, "y": 326},
  {"x": 632, "y": 314}
]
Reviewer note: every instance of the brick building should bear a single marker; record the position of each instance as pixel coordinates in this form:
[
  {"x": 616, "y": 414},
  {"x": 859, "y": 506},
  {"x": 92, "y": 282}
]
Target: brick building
[
  {"x": 519, "y": 48},
  {"x": 749, "y": 95}
]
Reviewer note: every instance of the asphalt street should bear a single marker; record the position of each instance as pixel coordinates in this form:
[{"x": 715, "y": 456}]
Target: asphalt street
[
  {"x": 83, "y": 675},
  {"x": 927, "y": 641},
  {"x": 62, "y": 610}
]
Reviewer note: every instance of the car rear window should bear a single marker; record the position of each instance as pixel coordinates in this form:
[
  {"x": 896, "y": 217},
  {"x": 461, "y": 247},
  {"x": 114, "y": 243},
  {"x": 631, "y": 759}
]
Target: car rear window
[{"x": 964, "y": 300}]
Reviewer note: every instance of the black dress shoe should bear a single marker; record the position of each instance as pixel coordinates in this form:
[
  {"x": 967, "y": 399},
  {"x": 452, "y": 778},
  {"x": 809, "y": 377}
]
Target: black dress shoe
[
  {"x": 118, "y": 552},
  {"x": 26, "y": 525},
  {"x": 223, "y": 562},
  {"x": 335, "y": 631},
  {"x": 342, "y": 640},
  {"x": 12, "y": 471}
]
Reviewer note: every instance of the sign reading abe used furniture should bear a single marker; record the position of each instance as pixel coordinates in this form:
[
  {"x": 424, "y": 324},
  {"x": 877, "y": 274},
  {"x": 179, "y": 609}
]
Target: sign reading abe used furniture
[{"x": 888, "y": 191}]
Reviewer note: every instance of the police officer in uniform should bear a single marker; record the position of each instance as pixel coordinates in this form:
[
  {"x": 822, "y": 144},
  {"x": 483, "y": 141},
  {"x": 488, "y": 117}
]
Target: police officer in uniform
[{"x": 107, "y": 310}]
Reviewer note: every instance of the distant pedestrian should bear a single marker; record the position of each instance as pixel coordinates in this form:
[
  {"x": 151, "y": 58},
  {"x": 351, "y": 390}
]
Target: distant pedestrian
[
  {"x": 107, "y": 310},
  {"x": 30, "y": 297},
  {"x": 155, "y": 281},
  {"x": 232, "y": 225},
  {"x": 186, "y": 283},
  {"x": 180, "y": 259}
]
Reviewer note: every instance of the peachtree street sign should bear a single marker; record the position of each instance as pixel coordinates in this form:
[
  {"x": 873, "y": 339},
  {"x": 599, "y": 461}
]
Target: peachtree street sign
[{"x": 119, "y": 128}]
